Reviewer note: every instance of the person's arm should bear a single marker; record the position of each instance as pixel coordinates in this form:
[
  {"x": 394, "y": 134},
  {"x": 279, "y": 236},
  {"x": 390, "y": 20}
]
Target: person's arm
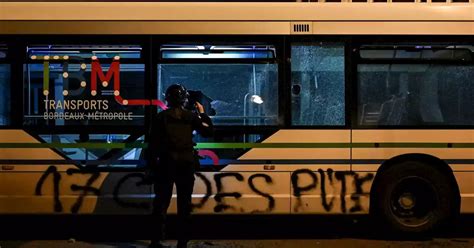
[{"x": 202, "y": 123}]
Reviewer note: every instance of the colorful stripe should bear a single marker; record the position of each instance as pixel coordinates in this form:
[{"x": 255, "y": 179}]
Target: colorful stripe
[
  {"x": 208, "y": 145},
  {"x": 331, "y": 145},
  {"x": 75, "y": 145},
  {"x": 222, "y": 162},
  {"x": 70, "y": 161}
]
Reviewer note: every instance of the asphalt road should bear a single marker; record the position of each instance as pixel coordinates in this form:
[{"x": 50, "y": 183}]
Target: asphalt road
[
  {"x": 229, "y": 231},
  {"x": 331, "y": 243}
]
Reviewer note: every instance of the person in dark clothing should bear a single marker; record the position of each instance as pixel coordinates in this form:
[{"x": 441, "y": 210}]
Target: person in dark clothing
[{"x": 174, "y": 159}]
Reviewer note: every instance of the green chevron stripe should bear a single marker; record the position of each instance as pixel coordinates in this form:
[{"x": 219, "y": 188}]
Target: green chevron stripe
[
  {"x": 463, "y": 145},
  {"x": 407, "y": 145},
  {"x": 209, "y": 145},
  {"x": 74, "y": 145},
  {"x": 331, "y": 145},
  {"x": 271, "y": 145}
]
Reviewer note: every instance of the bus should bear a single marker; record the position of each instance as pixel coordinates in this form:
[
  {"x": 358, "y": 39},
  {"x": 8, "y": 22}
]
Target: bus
[{"x": 320, "y": 108}]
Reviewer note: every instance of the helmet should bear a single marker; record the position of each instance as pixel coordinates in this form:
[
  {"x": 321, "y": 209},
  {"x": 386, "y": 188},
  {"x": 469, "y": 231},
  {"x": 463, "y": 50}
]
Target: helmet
[{"x": 176, "y": 95}]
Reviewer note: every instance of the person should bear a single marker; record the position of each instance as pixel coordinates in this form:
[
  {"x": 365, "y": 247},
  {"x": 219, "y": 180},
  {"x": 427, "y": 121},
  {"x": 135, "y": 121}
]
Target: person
[{"x": 175, "y": 159}]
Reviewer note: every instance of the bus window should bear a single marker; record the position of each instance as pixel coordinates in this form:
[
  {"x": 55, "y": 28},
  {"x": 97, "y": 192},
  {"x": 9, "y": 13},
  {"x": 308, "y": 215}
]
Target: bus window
[
  {"x": 417, "y": 53},
  {"x": 84, "y": 85},
  {"x": 421, "y": 94},
  {"x": 238, "y": 84},
  {"x": 4, "y": 88},
  {"x": 317, "y": 80}
]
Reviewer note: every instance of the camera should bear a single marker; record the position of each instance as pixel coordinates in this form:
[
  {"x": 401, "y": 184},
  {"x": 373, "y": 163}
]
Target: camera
[
  {"x": 193, "y": 97},
  {"x": 197, "y": 96}
]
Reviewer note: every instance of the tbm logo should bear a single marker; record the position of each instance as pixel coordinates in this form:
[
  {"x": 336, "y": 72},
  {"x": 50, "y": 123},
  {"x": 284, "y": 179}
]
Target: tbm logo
[{"x": 96, "y": 72}]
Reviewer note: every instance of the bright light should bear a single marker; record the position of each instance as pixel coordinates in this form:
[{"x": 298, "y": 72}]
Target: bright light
[{"x": 256, "y": 99}]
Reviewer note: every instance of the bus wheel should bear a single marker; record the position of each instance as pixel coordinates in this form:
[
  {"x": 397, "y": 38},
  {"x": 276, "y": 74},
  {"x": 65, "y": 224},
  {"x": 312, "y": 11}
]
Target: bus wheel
[{"x": 413, "y": 197}]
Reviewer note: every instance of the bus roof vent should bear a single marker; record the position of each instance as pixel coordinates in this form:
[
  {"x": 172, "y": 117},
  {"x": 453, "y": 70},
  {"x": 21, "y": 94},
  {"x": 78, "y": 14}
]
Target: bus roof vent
[{"x": 301, "y": 28}]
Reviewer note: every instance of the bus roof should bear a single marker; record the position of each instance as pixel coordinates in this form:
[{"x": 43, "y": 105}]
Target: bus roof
[{"x": 236, "y": 18}]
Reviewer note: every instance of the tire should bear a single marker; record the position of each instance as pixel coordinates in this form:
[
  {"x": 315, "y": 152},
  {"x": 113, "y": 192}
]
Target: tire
[{"x": 413, "y": 197}]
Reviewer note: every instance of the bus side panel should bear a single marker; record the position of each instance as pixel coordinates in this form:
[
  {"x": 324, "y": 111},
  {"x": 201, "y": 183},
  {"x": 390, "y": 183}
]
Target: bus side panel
[
  {"x": 318, "y": 168},
  {"x": 47, "y": 190},
  {"x": 124, "y": 193},
  {"x": 452, "y": 146},
  {"x": 466, "y": 187},
  {"x": 26, "y": 191}
]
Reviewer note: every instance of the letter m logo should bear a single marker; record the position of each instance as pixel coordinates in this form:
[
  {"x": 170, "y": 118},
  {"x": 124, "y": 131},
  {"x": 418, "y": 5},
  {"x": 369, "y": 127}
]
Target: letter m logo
[{"x": 114, "y": 71}]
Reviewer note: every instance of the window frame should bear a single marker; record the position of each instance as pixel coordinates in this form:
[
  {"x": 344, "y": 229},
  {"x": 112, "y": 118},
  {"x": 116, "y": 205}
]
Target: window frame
[
  {"x": 393, "y": 40},
  {"x": 347, "y": 42},
  {"x": 8, "y": 61},
  {"x": 18, "y": 58},
  {"x": 150, "y": 43},
  {"x": 144, "y": 41},
  {"x": 277, "y": 41},
  {"x": 317, "y": 42},
  {"x": 122, "y": 62}
]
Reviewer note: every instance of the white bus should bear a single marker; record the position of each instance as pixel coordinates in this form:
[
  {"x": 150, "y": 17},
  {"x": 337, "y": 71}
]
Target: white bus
[{"x": 320, "y": 108}]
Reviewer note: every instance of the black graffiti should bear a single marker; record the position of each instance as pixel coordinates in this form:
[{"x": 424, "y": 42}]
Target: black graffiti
[
  {"x": 220, "y": 195},
  {"x": 294, "y": 181},
  {"x": 327, "y": 206},
  {"x": 341, "y": 177},
  {"x": 58, "y": 207},
  {"x": 221, "y": 206},
  {"x": 85, "y": 189},
  {"x": 268, "y": 179},
  {"x": 358, "y": 182},
  {"x": 56, "y": 183},
  {"x": 208, "y": 194},
  {"x": 326, "y": 179},
  {"x": 118, "y": 187},
  {"x": 297, "y": 189}
]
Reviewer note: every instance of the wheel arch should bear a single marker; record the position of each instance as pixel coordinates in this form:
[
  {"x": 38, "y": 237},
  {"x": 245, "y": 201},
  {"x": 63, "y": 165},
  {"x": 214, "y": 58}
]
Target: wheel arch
[{"x": 427, "y": 159}]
